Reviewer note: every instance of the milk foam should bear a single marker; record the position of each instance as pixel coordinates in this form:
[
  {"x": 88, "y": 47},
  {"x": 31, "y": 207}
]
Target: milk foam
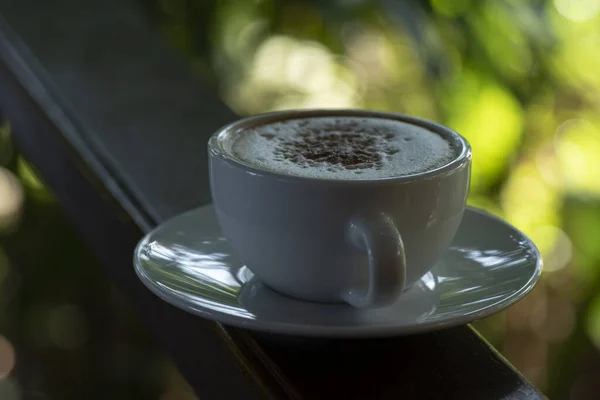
[{"x": 345, "y": 148}]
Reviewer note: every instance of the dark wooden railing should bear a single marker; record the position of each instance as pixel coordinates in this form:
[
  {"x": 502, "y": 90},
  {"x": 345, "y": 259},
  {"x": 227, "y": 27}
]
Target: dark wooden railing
[{"x": 116, "y": 123}]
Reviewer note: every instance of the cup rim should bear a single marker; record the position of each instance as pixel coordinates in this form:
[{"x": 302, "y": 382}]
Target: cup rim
[{"x": 216, "y": 148}]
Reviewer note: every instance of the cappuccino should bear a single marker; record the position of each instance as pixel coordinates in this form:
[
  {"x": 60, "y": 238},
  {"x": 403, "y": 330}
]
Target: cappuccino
[{"x": 344, "y": 148}]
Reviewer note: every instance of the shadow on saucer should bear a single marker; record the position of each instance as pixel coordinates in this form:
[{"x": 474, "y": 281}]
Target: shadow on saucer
[{"x": 274, "y": 308}]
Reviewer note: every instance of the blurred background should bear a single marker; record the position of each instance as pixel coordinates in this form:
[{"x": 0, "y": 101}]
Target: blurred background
[{"x": 519, "y": 78}]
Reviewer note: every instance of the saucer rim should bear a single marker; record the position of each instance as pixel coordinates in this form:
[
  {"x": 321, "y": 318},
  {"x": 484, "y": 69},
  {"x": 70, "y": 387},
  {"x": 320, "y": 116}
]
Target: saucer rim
[{"x": 343, "y": 331}]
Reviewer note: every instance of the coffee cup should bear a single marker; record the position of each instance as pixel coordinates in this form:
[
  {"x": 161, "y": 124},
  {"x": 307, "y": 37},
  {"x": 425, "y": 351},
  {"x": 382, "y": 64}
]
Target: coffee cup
[{"x": 347, "y": 206}]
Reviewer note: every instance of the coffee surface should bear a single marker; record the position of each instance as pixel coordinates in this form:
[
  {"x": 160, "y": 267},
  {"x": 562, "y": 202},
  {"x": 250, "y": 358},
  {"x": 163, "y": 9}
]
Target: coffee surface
[{"x": 342, "y": 148}]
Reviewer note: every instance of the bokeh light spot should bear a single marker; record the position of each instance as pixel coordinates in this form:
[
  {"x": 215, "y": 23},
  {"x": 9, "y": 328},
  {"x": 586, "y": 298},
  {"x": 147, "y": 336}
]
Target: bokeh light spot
[
  {"x": 11, "y": 200},
  {"x": 557, "y": 247},
  {"x": 578, "y": 10},
  {"x": 532, "y": 205},
  {"x": 7, "y": 357},
  {"x": 577, "y": 146},
  {"x": 289, "y": 73}
]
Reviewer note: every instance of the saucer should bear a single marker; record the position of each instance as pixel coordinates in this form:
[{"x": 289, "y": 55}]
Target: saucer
[{"x": 187, "y": 262}]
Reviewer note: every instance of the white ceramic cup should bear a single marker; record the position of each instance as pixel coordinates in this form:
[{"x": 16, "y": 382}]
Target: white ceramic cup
[{"x": 357, "y": 241}]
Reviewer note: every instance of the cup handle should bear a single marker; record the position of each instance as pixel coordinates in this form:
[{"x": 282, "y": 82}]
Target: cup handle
[{"x": 379, "y": 237}]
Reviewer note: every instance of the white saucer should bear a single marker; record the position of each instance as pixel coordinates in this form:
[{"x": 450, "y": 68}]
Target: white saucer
[{"x": 187, "y": 262}]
